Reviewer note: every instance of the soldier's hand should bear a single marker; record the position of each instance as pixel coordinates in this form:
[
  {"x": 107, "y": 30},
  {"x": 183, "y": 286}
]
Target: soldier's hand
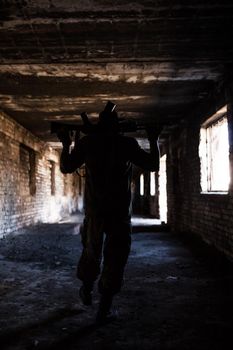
[
  {"x": 153, "y": 132},
  {"x": 77, "y": 138},
  {"x": 64, "y": 137}
]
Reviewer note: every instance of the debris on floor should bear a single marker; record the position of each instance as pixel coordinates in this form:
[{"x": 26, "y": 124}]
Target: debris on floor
[{"x": 170, "y": 299}]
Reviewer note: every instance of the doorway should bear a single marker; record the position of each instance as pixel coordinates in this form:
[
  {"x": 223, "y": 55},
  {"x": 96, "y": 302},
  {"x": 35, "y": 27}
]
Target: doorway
[{"x": 163, "y": 189}]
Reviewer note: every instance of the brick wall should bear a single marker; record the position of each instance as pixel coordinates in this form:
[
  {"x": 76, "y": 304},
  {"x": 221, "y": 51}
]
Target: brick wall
[
  {"x": 207, "y": 215},
  {"x": 32, "y": 188}
]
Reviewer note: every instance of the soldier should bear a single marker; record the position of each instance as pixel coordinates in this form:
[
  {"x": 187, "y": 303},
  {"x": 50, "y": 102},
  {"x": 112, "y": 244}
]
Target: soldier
[{"x": 108, "y": 157}]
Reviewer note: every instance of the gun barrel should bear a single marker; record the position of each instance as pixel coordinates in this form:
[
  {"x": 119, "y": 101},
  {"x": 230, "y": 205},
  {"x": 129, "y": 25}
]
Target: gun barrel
[
  {"x": 125, "y": 126},
  {"x": 85, "y": 119},
  {"x": 55, "y": 127},
  {"x": 110, "y": 106}
]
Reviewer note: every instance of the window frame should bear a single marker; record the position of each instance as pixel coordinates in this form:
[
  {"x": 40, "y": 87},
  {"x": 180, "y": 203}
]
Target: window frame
[{"x": 206, "y": 157}]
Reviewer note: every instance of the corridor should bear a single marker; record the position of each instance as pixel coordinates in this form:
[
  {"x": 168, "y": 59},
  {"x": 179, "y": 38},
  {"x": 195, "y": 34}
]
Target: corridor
[
  {"x": 107, "y": 109},
  {"x": 174, "y": 296}
]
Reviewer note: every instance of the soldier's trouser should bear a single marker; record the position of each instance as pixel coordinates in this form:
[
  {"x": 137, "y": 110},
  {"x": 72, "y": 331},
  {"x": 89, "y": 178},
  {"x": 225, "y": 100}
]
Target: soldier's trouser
[{"x": 111, "y": 238}]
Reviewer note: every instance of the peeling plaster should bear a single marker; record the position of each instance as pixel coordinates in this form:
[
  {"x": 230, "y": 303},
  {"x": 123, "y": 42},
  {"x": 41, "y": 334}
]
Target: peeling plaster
[{"x": 62, "y": 57}]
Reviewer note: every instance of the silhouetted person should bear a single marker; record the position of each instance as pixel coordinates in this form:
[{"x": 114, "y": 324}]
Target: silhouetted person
[{"x": 108, "y": 158}]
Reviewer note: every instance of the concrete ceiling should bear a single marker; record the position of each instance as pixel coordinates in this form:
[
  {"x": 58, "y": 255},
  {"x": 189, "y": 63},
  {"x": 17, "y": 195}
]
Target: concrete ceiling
[{"x": 157, "y": 60}]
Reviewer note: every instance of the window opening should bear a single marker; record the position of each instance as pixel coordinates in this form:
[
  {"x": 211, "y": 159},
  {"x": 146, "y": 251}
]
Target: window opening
[
  {"x": 214, "y": 154},
  {"x": 65, "y": 184},
  {"x": 80, "y": 185},
  {"x": 163, "y": 189},
  {"x": 141, "y": 185},
  {"x": 52, "y": 177},
  {"x": 28, "y": 165},
  {"x": 152, "y": 184}
]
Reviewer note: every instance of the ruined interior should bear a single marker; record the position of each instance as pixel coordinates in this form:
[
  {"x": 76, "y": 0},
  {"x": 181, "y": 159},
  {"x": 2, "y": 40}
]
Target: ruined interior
[{"x": 163, "y": 63}]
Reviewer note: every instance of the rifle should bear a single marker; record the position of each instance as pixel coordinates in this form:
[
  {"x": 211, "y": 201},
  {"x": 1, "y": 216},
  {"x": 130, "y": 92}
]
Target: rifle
[
  {"x": 86, "y": 128},
  {"x": 124, "y": 126}
]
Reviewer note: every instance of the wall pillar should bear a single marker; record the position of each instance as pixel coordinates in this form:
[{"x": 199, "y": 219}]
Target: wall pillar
[{"x": 230, "y": 132}]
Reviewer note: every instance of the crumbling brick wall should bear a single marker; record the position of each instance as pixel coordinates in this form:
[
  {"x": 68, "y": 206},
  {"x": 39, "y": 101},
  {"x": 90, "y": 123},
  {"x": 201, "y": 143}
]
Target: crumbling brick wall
[
  {"x": 189, "y": 210},
  {"x": 32, "y": 188}
]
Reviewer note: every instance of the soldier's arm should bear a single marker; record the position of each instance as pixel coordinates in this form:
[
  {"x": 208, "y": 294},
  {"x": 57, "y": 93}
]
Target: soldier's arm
[
  {"x": 146, "y": 160},
  {"x": 70, "y": 161}
]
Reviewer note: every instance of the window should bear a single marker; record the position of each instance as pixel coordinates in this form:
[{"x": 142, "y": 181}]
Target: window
[
  {"x": 163, "y": 188},
  {"x": 65, "y": 185},
  {"x": 80, "y": 185},
  {"x": 152, "y": 184},
  {"x": 214, "y": 153},
  {"x": 52, "y": 167},
  {"x": 28, "y": 170},
  {"x": 141, "y": 185}
]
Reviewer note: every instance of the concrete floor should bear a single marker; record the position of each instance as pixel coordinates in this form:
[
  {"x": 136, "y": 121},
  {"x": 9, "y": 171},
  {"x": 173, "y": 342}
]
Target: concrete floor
[{"x": 176, "y": 295}]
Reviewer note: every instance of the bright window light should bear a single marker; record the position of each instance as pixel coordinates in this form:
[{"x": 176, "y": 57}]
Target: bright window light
[
  {"x": 152, "y": 184},
  {"x": 214, "y": 156},
  {"x": 142, "y": 185}
]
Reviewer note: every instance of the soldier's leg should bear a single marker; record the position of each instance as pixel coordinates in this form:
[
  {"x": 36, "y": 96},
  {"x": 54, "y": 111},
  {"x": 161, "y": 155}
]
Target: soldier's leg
[
  {"x": 116, "y": 251},
  {"x": 88, "y": 267}
]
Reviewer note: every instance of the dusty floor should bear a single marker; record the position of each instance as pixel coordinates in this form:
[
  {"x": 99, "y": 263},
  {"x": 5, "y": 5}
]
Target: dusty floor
[{"x": 174, "y": 297}]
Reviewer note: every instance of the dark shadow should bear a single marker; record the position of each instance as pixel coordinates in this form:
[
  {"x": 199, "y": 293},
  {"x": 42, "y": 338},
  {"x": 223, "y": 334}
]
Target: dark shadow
[
  {"x": 215, "y": 260},
  {"x": 25, "y": 333},
  {"x": 70, "y": 339},
  {"x": 12, "y": 336}
]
